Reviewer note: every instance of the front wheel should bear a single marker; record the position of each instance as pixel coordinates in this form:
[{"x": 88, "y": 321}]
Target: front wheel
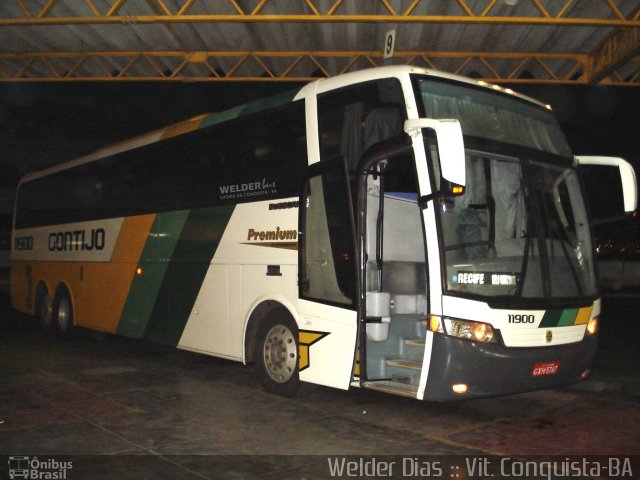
[{"x": 277, "y": 354}]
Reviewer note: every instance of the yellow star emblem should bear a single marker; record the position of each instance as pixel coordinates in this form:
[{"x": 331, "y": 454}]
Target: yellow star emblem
[{"x": 306, "y": 338}]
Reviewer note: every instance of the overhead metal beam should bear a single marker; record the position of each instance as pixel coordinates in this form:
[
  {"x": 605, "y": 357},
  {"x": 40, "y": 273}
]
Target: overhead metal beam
[
  {"x": 616, "y": 52},
  {"x": 371, "y": 11},
  {"x": 425, "y": 19},
  {"x": 614, "y": 59},
  {"x": 614, "y": 63},
  {"x": 276, "y": 66}
]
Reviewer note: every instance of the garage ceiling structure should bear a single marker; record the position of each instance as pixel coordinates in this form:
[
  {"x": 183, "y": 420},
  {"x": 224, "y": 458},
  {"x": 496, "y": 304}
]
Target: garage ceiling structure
[{"x": 544, "y": 41}]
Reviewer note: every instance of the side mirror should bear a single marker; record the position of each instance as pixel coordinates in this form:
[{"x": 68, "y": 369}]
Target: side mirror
[
  {"x": 627, "y": 177},
  {"x": 450, "y": 148}
]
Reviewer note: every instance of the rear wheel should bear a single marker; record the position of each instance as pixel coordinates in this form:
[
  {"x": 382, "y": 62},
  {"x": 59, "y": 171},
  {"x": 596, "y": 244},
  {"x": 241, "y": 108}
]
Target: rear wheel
[
  {"x": 44, "y": 309},
  {"x": 62, "y": 311},
  {"x": 277, "y": 354}
]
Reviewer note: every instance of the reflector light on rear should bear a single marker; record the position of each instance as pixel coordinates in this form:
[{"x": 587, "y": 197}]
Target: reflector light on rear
[{"x": 459, "y": 388}]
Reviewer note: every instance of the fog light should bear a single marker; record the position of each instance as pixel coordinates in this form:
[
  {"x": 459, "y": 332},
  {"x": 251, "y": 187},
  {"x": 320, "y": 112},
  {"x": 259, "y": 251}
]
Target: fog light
[
  {"x": 592, "y": 326},
  {"x": 459, "y": 388},
  {"x": 435, "y": 325}
]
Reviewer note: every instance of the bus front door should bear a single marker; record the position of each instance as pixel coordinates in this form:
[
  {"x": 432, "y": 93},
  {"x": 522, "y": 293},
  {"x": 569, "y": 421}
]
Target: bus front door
[{"x": 328, "y": 287}]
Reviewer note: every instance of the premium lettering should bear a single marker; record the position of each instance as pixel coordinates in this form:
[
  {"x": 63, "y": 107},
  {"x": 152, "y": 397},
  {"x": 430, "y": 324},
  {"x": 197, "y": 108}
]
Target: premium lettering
[
  {"x": 77, "y": 240},
  {"x": 277, "y": 234}
]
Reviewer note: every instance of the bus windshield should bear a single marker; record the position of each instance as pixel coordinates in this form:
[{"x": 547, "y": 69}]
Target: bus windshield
[{"x": 521, "y": 229}]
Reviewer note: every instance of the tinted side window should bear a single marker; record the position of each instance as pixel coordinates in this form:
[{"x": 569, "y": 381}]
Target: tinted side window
[
  {"x": 354, "y": 118},
  {"x": 328, "y": 254},
  {"x": 253, "y": 158}
]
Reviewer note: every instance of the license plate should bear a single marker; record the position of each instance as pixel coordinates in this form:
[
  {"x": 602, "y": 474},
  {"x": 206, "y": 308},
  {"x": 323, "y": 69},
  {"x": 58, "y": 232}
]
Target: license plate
[{"x": 544, "y": 369}]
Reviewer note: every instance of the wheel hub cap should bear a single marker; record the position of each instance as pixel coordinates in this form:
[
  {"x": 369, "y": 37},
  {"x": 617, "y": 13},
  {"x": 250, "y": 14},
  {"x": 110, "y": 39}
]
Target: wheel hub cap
[{"x": 280, "y": 353}]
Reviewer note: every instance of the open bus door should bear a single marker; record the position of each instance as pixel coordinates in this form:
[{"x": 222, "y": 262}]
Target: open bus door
[{"x": 328, "y": 283}]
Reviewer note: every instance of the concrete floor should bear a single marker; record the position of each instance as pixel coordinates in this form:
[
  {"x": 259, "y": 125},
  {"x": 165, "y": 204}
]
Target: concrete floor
[{"x": 129, "y": 409}]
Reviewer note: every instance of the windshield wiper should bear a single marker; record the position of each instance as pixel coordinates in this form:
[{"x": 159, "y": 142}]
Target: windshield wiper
[
  {"x": 557, "y": 232},
  {"x": 525, "y": 258}
]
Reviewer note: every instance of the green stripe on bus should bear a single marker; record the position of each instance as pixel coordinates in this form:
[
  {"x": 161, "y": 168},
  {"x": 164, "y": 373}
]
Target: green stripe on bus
[
  {"x": 249, "y": 108},
  {"x": 157, "y": 252},
  {"x": 568, "y": 317},
  {"x": 185, "y": 273},
  {"x": 551, "y": 318},
  {"x": 559, "y": 318}
]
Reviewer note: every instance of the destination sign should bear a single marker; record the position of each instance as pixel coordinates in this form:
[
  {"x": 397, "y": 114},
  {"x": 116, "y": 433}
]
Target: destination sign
[{"x": 487, "y": 278}]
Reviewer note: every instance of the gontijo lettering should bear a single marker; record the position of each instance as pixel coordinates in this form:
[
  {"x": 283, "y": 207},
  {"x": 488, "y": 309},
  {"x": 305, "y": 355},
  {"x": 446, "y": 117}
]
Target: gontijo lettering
[{"x": 77, "y": 240}]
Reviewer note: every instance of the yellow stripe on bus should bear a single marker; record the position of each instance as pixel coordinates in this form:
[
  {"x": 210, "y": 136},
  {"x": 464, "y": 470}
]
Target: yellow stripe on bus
[
  {"x": 103, "y": 312},
  {"x": 183, "y": 127},
  {"x": 132, "y": 239},
  {"x": 584, "y": 315}
]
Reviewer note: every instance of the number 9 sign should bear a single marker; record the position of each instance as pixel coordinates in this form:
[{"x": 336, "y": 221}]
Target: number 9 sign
[{"x": 389, "y": 44}]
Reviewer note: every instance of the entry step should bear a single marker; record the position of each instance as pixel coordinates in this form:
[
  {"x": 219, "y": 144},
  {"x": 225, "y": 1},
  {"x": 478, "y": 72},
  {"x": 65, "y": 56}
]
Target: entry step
[
  {"x": 402, "y": 363},
  {"x": 414, "y": 342},
  {"x": 393, "y": 387}
]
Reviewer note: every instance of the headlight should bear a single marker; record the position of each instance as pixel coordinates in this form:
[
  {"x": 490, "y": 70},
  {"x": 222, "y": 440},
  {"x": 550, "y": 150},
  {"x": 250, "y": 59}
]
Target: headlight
[{"x": 475, "y": 331}]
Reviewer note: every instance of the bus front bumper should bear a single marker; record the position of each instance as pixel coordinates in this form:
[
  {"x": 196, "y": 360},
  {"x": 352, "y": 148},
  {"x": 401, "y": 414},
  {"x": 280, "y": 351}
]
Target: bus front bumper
[{"x": 492, "y": 369}]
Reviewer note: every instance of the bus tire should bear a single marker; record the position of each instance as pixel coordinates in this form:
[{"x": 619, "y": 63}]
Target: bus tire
[
  {"x": 276, "y": 354},
  {"x": 62, "y": 311},
  {"x": 44, "y": 308}
]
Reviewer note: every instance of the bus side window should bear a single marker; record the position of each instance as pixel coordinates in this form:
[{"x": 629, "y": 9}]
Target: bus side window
[
  {"x": 354, "y": 118},
  {"x": 183, "y": 172}
]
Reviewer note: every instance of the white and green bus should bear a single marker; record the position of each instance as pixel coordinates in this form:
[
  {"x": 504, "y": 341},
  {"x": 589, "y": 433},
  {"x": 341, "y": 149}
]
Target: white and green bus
[{"x": 397, "y": 229}]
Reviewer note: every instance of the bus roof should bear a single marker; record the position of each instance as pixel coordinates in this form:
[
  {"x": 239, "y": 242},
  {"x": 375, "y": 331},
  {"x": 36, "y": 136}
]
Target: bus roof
[
  {"x": 209, "y": 119},
  {"x": 331, "y": 83},
  {"x": 182, "y": 127}
]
